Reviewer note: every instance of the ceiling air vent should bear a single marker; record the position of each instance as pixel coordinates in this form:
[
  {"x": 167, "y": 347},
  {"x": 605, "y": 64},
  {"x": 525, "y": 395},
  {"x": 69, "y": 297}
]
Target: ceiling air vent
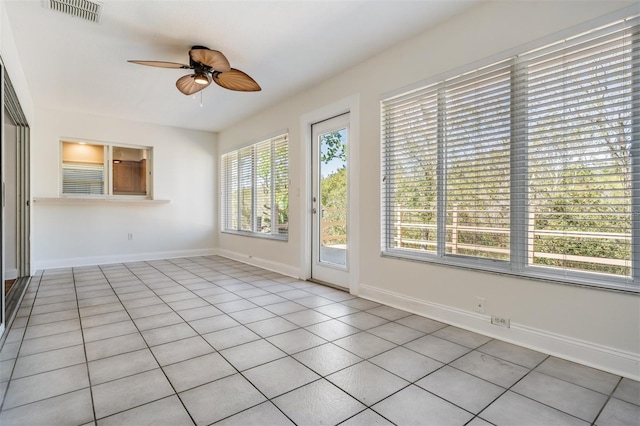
[{"x": 84, "y": 9}]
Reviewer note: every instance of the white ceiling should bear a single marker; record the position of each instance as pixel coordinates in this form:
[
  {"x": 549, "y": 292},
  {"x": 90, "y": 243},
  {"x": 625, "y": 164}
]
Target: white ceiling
[{"x": 286, "y": 46}]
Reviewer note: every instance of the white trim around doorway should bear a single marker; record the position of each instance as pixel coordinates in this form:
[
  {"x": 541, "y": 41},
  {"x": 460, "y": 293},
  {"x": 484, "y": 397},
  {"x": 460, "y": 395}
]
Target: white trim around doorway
[{"x": 350, "y": 104}]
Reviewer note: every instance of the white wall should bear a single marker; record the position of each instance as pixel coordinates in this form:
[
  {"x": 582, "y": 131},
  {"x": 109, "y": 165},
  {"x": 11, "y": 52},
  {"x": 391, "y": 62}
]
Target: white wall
[
  {"x": 71, "y": 234},
  {"x": 13, "y": 65},
  {"x": 596, "y": 327}
]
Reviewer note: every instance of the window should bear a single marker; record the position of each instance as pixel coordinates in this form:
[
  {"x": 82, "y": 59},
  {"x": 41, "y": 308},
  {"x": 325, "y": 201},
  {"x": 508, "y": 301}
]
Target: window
[
  {"x": 523, "y": 166},
  {"x": 90, "y": 169},
  {"x": 255, "y": 189}
]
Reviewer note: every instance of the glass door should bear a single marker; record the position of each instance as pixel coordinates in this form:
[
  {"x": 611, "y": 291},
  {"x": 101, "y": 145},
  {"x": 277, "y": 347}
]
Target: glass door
[
  {"x": 330, "y": 207},
  {"x": 15, "y": 212}
]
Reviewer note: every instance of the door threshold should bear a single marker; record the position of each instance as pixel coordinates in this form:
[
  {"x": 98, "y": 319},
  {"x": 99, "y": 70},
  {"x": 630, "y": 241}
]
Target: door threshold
[{"x": 326, "y": 284}]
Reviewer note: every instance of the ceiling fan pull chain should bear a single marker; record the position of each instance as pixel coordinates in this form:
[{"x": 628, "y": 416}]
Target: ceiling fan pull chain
[{"x": 201, "y": 99}]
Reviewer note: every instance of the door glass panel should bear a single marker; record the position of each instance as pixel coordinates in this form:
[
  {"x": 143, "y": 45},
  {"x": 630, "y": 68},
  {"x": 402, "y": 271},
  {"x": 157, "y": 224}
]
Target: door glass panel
[
  {"x": 333, "y": 198},
  {"x": 9, "y": 166}
]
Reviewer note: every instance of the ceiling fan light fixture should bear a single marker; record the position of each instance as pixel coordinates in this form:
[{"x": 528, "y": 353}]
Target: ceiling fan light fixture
[{"x": 201, "y": 79}]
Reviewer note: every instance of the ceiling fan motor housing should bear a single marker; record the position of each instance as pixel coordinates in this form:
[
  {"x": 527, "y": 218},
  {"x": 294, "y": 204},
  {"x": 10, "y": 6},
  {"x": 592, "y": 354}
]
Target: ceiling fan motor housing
[{"x": 197, "y": 65}]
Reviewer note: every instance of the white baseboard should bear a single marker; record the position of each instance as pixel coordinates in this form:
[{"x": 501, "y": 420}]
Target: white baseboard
[
  {"x": 281, "y": 268},
  {"x": 10, "y": 274},
  {"x": 119, "y": 258},
  {"x": 608, "y": 359}
]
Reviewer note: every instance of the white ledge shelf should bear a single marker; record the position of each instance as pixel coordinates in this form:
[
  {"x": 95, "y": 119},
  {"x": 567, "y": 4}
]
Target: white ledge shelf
[{"x": 79, "y": 200}]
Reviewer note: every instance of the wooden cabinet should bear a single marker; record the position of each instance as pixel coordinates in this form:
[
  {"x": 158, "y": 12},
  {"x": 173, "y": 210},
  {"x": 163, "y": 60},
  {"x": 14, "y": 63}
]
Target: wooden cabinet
[{"x": 129, "y": 177}]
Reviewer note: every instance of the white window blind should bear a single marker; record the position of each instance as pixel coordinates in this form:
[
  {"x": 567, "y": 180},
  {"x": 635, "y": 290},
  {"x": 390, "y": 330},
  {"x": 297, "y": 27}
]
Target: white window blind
[
  {"x": 410, "y": 159},
  {"x": 82, "y": 179},
  {"x": 255, "y": 189},
  {"x": 523, "y": 166},
  {"x": 246, "y": 193},
  {"x": 229, "y": 182},
  {"x": 264, "y": 187},
  {"x": 579, "y": 116},
  {"x": 280, "y": 176},
  {"x": 477, "y": 111}
]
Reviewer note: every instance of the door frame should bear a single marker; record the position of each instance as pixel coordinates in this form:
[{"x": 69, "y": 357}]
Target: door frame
[
  {"x": 3, "y": 319},
  {"x": 11, "y": 103},
  {"x": 349, "y": 105}
]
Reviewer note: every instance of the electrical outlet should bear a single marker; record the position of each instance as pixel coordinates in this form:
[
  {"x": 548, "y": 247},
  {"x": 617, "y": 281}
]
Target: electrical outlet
[
  {"x": 129, "y": 236},
  {"x": 480, "y": 301},
  {"x": 500, "y": 321}
]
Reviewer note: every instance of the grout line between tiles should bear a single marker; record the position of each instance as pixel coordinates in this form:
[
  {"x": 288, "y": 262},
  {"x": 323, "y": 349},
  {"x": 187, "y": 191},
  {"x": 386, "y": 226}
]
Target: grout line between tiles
[
  {"x": 607, "y": 401},
  {"x": 84, "y": 346}
]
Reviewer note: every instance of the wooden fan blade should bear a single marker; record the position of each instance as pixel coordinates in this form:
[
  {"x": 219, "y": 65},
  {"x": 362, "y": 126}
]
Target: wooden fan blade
[
  {"x": 236, "y": 80},
  {"x": 210, "y": 58},
  {"x": 161, "y": 64},
  {"x": 188, "y": 85}
]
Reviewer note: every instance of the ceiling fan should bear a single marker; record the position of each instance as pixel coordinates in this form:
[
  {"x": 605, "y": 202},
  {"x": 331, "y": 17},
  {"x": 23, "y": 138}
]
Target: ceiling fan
[{"x": 208, "y": 65}]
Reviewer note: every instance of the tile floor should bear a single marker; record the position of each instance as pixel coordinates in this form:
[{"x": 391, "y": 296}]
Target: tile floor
[{"x": 209, "y": 340}]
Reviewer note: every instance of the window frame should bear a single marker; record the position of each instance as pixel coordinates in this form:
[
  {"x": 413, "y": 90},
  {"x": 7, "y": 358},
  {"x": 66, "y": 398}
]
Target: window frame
[
  {"x": 107, "y": 173},
  {"x": 231, "y": 166},
  {"x": 517, "y": 265}
]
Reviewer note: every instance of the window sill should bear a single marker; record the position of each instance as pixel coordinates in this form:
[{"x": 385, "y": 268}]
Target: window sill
[
  {"x": 576, "y": 279},
  {"x": 96, "y": 200},
  {"x": 275, "y": 237}
]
